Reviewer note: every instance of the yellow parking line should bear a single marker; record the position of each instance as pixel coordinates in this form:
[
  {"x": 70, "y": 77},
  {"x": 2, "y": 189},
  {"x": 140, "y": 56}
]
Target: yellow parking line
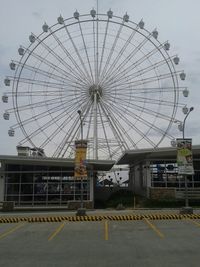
[
  {"x": 56, "y": 232},
  {"x": 106, "y": 230},
  {"x": 11, "y": 230},
  {"x": 196, "y": 223},
  {"x": 153, "y": 227}
]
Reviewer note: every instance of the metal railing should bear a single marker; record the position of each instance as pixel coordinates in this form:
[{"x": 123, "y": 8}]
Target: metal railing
[{"x": 174, "y": 183}]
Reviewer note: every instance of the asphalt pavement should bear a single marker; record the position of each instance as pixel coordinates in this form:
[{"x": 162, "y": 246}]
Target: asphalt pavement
[{"x": 142, "y": 243}]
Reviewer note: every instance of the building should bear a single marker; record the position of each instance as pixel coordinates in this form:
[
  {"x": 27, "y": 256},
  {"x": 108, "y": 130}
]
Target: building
[
  {"x": 153, "y": 173},
  {"x": 35, "y": 180}
]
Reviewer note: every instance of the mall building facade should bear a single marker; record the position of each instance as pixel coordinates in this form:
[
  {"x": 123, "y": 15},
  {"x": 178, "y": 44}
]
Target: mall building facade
[
  {"x": 154, "y": 173},
  {"x": 37, "y": 180},
  {"x": 31, "y": 179}
]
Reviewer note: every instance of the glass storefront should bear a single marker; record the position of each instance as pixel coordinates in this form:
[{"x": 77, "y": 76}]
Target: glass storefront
[
  {"x": 43, "y": 185},
  {"x": 165, "y": 174}
]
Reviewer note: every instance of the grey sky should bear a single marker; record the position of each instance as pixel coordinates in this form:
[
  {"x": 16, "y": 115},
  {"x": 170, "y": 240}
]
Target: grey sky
[{"x": 176, "y": 20}]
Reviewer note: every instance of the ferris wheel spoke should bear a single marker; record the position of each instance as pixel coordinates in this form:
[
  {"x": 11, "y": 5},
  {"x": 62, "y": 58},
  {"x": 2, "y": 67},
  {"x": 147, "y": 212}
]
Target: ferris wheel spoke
[
  {"x": 105, "y": 134},
  {"x": 40, "y": 82},
  {"x": 45, "y": 103},
  {"x": 149, "y": 111},
  {"x": 145, "y": 90},
  {"x": 67, "y": 141},
  {"x": 43, "y": 114},
  {"x": 145, "y": 70},
  {"x": 145, "y": 122},
  {"x": 87, "y": 75},
  {"x": 86, "y": 51},
  {"x": 94, "y": 51},
  {"x": 146, "y": 100},
  {"x": 67, "y": 72},
  {"x": 41, "y": 93},
  {"x": 153, "y": 66},
  {"x": 111, "y": 52},
  {"x": 120, "y": 112},
  {"x": 62, "y": 87},
  {"x": 122, "y": 131},
  {"x": 59, "y": 129},
  {"x": 119, "y": 138},
  {"x": 97, "y": 50},
  {"x": 103, "y": 48},
  {"x": 89, "y": 116},
  {"x": 112, "y": 71},
  {"x": 64, "y": 146},
  {"x": 121, "y": 52},
  {"x": 120, "y": 72},
  {"x": 41, "y": 129},
  {"x": 60, "y": 59},
  {"x": 38, "y": 131},
  {"x": 151, "y": 79},
  {"x": 152, "y": 101},
  {"x": 63, "y": 79},
  {"x": 146, "y": 110},
  {"x": 35, "y": 105}
]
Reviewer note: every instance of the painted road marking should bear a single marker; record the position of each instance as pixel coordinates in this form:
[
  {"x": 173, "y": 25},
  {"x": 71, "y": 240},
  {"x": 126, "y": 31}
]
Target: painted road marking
[
  {"x": 60, "y": 227},
  {"x": 196, "y": 223},
  {"x": 8, "y": 232},
  {"x": 106, "y": 230},
  {"x": 154, "y": 228},
  {"x": 108, "y": 217}
]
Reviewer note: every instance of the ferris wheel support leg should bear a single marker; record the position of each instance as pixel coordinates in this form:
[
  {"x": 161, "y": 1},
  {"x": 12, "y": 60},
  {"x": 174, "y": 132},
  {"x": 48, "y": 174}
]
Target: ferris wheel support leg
[{"x": 95, "y": 128}]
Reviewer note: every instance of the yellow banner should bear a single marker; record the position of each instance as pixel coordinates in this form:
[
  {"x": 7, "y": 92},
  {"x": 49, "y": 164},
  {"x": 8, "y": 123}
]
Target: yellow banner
[{"x": 80, "y": 159}]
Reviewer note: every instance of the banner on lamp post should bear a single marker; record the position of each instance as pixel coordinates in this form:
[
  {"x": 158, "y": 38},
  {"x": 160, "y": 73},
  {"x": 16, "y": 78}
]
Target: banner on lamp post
[
  {"x": 184, "y": 156},
  {"x": 80, "y": 170}
]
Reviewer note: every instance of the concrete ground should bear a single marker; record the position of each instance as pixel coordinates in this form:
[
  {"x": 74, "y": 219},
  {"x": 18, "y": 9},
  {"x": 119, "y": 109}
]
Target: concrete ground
[{"x": 143, "y": 243}]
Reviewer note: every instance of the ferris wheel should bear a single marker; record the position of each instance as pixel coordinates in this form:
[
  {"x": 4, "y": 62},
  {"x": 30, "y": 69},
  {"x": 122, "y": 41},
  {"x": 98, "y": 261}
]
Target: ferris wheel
[{"x": 103, "y": 70}]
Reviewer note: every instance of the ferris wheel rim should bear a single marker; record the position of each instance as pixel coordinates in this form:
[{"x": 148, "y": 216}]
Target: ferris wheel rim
[{"x": 166, "y": 58}]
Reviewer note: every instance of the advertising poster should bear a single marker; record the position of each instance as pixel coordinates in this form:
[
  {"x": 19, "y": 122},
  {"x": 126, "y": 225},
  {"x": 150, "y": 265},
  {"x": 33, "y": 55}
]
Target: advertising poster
[
  {"x": 184, "y": 156},
  {"x": 80, "y": 159}
]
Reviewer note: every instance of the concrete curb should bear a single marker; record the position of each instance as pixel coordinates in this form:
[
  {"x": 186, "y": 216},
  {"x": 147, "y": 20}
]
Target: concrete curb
[{"x": 95, "y": 218}]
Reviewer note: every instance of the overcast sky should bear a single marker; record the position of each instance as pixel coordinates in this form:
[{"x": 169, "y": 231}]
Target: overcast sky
[{"x": 176, "y": 20}]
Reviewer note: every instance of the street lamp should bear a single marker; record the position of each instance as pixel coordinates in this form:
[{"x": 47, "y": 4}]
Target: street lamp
[
  {"x": 187, "y": 114},
  {"x": 81, "y": 121},
  {"x": 186, "y": 209},
  {"x": 81, "y": 211}
]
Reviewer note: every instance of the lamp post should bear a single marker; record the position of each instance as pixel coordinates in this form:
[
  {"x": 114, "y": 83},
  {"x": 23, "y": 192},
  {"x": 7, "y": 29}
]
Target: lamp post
[
  {"x": 191, "y": 109},
  {"x": 81, "y": 211},
  {"x": 186, "y": 209}
]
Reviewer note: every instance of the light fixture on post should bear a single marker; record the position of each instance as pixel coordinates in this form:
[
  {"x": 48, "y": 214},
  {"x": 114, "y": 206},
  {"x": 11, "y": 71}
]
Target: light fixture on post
[
  {"x": 187, "y": 209},
  {"x": 187, "y": 114}
]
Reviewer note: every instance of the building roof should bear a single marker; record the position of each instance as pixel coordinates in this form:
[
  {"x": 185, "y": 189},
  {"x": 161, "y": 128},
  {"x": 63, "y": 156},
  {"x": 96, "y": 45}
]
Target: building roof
[
  {"x": 168, "y": 153},
  {"x": 97, "y": 165}
]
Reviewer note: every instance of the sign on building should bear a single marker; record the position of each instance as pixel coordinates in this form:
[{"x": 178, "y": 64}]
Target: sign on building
[
  {"x": 184, "y": 156},
  {"x": 80, "y": 159}
]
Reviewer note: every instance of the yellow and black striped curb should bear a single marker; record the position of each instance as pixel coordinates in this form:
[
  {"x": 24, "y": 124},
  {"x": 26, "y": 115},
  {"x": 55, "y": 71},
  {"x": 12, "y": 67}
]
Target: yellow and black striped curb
[{"x": 96, "y": 218}]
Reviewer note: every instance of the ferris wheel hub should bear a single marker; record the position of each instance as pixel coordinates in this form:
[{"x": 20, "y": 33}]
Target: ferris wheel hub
[{"x": 95, "y": 90}]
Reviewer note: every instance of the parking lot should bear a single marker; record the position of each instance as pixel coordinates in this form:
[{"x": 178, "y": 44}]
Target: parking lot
[{"x": 142, "y": 242}]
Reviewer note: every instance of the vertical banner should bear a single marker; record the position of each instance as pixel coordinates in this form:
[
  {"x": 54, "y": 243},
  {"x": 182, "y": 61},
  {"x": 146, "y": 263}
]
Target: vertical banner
[
  {"x": 80, "y": 170},
  {"x": 184, "y": 156}
]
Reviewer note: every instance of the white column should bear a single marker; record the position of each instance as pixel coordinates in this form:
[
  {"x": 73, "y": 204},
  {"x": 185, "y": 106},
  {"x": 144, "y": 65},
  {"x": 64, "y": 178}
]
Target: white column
[{"x": 148, "y": 174}]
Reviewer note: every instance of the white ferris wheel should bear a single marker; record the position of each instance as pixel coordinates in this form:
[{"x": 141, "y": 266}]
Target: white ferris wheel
[{"x": 112, "y": 70}]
